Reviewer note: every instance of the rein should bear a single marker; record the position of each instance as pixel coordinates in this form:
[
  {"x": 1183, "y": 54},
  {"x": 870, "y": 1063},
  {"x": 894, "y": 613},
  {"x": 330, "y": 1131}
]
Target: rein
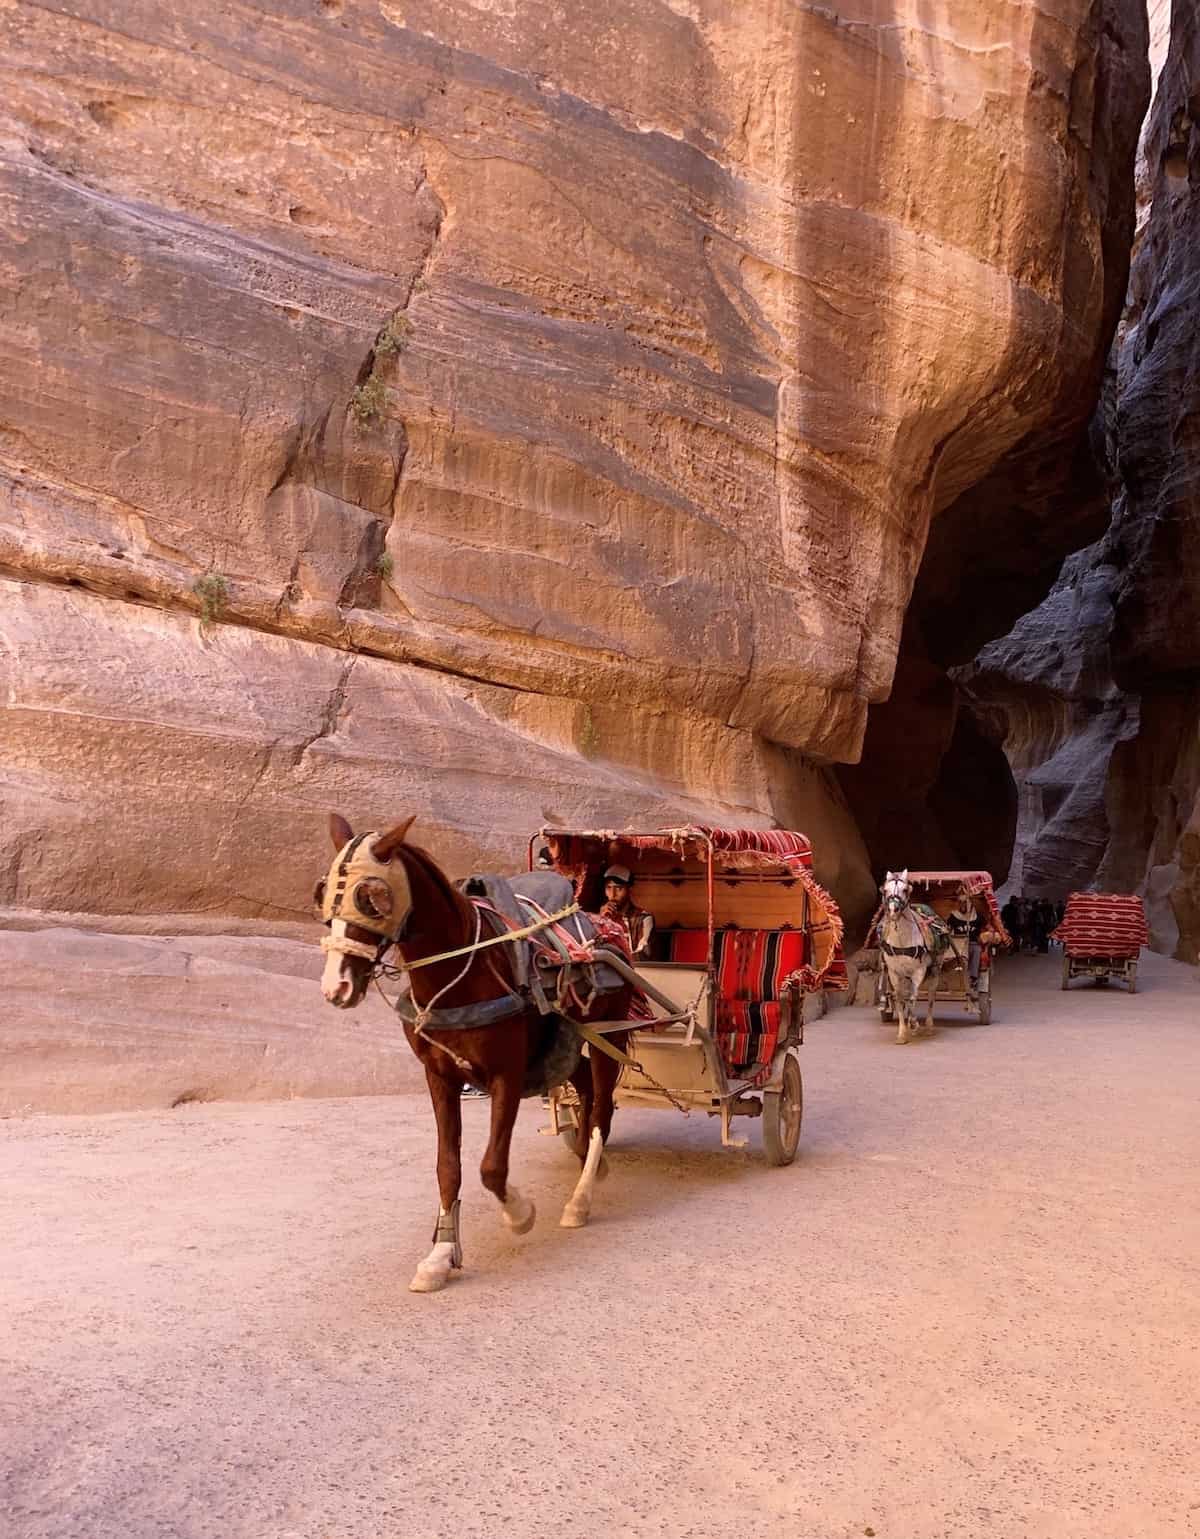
[
  {"x": 495, "y": 940},
  {"x": 344, "y": 946}
]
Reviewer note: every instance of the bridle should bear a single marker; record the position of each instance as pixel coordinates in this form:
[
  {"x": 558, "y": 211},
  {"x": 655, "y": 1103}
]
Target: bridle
[{"x": 896, "y": 895}]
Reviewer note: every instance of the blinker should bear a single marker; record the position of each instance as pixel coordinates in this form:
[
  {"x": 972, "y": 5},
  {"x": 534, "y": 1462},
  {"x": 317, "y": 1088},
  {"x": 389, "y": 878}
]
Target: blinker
[{"x": 365, "y": 891}]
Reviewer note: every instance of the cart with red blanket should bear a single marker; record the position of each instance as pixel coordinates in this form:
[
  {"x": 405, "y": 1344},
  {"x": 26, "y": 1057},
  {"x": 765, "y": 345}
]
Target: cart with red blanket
[
  {"x": 743, "y": 935},
  {"x": 1102, "y": 934}
]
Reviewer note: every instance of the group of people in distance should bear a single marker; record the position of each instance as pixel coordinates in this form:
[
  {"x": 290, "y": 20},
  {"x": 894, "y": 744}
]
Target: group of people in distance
[{"x": 1030, "y": 920}]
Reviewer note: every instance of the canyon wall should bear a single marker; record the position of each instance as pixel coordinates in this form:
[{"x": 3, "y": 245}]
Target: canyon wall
[
  {"x": 1096, "y": 695},
  {"x": 520, "y": 414}
]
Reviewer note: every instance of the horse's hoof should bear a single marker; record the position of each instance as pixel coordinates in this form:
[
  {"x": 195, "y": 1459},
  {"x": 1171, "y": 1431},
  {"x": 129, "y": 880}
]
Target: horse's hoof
[
  {"x": 521, "y": 1225},
  {"x": 429, "y": 1280},
  {"x": 573, "y": 1218}
]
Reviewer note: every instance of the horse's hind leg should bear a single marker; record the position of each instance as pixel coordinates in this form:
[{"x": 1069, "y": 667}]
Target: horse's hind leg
[
  {"x": 935, "y": 977},
  {"x": 604, "y": 1074},
  {"x": 519, "y": 1212},
  {"x": 582, "y": 1081},
  {"x": 433, "y": 1273}
]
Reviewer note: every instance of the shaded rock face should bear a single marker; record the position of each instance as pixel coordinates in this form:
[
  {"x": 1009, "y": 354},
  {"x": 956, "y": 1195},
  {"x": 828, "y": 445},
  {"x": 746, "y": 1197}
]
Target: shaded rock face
[
  {"x": 1097, "y": 694},
  {"x": 545, "y": 408},
  {"x": 1153, "y": 794},
  {"x": 1046, "y": 695},
  {"x": 997, "y": 540}
]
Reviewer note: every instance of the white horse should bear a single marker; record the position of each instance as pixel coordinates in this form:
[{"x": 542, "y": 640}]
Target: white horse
[{"x": 911, "y": 950}]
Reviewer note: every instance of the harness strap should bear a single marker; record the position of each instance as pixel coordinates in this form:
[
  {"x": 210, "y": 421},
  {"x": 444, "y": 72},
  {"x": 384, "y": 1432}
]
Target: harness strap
[
  {"x": 484, "y": 1012},
  {"x": 496, "y": 940},
  {"x": 344, "y": 946}
]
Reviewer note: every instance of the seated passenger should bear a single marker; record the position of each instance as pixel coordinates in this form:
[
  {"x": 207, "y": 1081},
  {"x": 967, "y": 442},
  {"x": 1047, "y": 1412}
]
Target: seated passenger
[
  {"x": 965, "y": 925},
  {"x": 619, "y": 905}
]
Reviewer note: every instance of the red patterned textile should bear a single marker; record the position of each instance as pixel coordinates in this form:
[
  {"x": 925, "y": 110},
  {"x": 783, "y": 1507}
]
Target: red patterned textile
[
  {"x": 1103, "y": 924},
  {"x": 753, "y": 967}
]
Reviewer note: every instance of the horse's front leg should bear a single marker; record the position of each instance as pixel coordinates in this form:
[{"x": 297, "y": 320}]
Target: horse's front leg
[
  {"x": 903, "y": 986},
  {"x": 605, "y": 1072},
  {"x": 433, "y": 1273},
  {"x": 519, "y": 1212}
]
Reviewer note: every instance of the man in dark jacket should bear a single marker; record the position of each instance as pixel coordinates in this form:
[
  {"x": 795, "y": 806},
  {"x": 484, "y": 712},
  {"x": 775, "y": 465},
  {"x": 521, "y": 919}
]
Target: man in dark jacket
[{"x": 965, "y": 925}]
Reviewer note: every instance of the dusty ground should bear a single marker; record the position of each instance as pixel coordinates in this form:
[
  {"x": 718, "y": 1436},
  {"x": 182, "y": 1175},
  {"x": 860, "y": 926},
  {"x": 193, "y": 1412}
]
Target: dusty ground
[{"x": 971, "y": 1308}]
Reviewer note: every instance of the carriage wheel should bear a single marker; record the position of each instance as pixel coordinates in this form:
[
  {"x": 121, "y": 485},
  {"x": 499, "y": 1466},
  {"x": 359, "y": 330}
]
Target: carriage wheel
[
  {"x": 1066, "y": 971},
  {"x": 985, "y": 1008},
  {"x": 1133, "y": 979},
  {"x": 568, "y": 1136},
  {"x": 782, "y": 1114}
]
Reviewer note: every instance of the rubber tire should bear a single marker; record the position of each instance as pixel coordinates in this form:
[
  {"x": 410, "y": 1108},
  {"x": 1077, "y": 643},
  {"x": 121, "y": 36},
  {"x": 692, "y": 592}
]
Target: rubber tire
[
  {"x": 985, "y": 1008},
  {"x": 780, "y": 1141},
  {"x": 886, "y": 1015},
  {"x": 1066, "y": 971},
  {"x": 568, "y": 1137},
  {"x": 1133, "y": 979}
]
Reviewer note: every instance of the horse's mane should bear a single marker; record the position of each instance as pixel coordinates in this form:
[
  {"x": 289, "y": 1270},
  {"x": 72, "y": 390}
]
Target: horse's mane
[{"x": 441, "y": 882}]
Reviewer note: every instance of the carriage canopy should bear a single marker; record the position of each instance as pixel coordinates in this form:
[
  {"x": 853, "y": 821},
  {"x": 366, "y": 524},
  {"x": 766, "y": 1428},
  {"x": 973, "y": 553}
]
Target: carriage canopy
[
  {"x": 976, "y": 884},
  {"x": 713, "y": 879}
]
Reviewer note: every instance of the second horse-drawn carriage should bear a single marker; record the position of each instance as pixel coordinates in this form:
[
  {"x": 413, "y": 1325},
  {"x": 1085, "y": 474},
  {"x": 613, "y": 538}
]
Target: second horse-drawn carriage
[{"x": 955, "y": 929}]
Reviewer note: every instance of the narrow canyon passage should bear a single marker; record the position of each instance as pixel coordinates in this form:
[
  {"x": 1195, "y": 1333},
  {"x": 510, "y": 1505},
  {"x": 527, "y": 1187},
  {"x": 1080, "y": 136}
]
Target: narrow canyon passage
[{"x": 969, "y": 1308}]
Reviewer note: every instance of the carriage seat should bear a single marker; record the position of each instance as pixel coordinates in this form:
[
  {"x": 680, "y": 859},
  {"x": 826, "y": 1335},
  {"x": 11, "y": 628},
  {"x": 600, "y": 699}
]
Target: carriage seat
[{"x": 750, "y": 967}]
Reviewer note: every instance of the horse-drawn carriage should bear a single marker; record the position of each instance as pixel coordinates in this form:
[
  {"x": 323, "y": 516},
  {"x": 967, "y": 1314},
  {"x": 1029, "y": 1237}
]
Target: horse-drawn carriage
[
  {"x": 743, "y": 934},
  {"x": 503, "y": 978},
  {"x": 1101, "y": 935},
  {"x": 957, "y": 924}
]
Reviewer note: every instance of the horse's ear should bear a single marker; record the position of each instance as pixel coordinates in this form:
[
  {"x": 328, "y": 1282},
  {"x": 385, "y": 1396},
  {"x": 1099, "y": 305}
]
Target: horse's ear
[
  {"x": 904, "y": 876},
  {"x": 339, "y": 830},
  {"x": 387, "y": 844}
]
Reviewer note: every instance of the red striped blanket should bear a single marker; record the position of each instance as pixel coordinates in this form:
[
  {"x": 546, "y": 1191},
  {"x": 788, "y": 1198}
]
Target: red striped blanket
[{"x": 1103, "y": 924}]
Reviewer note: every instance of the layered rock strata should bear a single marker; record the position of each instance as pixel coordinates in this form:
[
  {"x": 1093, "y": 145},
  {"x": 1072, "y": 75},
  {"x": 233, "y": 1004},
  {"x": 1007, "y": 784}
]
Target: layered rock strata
[{"x": 518, "y": 414}]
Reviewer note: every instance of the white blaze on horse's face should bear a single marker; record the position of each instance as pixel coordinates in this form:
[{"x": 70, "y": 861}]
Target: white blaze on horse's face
[
  {"x": 337, "y": 985},
  {"x": 896, "y": 891}
]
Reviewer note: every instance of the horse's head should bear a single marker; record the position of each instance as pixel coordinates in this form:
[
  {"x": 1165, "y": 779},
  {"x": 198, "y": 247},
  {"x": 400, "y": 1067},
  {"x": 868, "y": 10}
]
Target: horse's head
[
  {"x": 366, "y": 901},
  {"x": 897, "y": 890}
]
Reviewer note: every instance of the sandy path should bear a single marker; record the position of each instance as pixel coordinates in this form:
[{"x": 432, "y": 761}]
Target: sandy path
[{"x": 971, "y": 1308}]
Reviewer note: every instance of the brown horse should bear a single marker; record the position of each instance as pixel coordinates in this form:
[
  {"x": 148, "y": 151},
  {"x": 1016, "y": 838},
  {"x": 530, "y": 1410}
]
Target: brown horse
[{"x": 398, "y": 896}]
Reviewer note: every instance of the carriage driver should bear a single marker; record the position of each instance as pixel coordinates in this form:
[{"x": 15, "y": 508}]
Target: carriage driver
[
  {"x": 619, "y": 905},
  {"x": 965, "y": 925}
]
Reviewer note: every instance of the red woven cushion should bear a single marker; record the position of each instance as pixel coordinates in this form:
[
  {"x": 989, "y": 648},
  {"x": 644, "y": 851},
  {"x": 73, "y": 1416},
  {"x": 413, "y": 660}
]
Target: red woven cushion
[{"x": 747, "y": 1032}]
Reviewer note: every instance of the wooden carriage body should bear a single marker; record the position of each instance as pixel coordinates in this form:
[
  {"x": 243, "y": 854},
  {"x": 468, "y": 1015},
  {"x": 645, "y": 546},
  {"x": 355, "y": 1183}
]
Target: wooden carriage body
[{"x": 743, "y": 936}]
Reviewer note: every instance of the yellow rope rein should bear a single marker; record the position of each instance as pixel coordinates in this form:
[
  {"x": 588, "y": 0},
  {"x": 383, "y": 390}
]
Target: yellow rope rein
[{"x": 495, "y": 940}]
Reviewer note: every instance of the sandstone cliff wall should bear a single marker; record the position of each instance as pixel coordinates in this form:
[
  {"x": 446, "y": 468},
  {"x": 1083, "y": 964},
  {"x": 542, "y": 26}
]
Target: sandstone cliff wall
[{"x": 514, "y": 413}]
